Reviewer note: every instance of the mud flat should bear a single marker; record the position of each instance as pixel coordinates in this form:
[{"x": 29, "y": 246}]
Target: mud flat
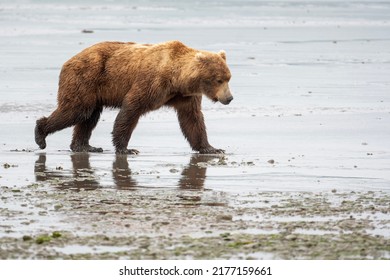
[
  {"x": 171, "y": 211},
  {"x": 306, "y": 174}
]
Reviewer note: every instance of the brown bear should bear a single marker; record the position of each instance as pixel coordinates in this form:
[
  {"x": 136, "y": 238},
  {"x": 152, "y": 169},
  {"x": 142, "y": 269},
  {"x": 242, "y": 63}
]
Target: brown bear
[{"x": 137, "y": 78}]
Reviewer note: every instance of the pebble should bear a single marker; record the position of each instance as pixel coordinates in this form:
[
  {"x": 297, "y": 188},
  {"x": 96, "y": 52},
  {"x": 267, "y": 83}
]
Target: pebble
[{"x": 225, "y": 217}]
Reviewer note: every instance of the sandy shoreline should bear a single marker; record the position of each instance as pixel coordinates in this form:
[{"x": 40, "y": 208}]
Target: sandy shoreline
[
  {"x": 307, "y": 135},
  {"x": 167, "y": 223},
  {"x": 138, "y": 208}
]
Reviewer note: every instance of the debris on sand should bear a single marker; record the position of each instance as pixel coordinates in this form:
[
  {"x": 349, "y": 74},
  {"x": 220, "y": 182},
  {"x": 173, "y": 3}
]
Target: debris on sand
[{"x": 87, "y": 31}]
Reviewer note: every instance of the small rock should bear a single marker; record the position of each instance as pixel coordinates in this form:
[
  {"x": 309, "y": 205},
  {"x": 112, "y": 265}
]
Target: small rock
[
  {"x": 42, "y": 239},
  {"x": 225, "y": 217},
  {"x": 291, "y": 237},
  {"x": 58, "y": 207},
  {"x": 271, "y": 161},
  {"x": 173, "y": 170},
  {"x": 27, "y": 238},
  {"x": 56, "y": 234}
]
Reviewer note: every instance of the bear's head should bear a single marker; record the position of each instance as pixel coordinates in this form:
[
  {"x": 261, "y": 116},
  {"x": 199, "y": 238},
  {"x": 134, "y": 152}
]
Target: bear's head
[{"x": 211, "y": 75}]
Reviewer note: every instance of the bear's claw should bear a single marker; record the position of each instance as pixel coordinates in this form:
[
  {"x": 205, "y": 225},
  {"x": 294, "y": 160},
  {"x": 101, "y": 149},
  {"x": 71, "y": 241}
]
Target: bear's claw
[
  {"x": 127, "y": 152},
  {"x": 211, "y": 151},
  {"x": 87, "y": 148},
  {"x": 95, "y": 149}
]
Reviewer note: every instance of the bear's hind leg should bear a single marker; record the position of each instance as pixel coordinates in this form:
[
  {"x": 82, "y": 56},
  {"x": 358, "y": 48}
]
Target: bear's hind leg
[
  {"x": 82, "y": 132},
  {"x": 61, "y": 118},
  {"x": 58, "y": 120},
  {"x": 40, "y": 133}
]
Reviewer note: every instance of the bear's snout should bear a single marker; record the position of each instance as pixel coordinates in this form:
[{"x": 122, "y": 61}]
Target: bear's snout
[
  {"x": 226, "y": 97},
  {"x": 229, "y": 99}
]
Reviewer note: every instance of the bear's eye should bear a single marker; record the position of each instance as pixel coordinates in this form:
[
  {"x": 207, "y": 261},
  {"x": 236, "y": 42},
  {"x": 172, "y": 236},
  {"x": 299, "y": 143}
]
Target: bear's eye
[{"x": 219, "y": 81}]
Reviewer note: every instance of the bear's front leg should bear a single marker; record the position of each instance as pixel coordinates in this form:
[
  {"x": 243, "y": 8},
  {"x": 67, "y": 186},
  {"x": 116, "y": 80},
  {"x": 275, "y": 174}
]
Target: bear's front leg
[
  {"x": 125, "y": 123},
  {"x": 192, "y": 125}
]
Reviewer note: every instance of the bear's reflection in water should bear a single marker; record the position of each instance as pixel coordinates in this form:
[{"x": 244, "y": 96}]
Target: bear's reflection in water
[
  {"x": 121, "y": 174},
  {"x": 193, "y": 175},
  {"x": 82, "y": 175}
]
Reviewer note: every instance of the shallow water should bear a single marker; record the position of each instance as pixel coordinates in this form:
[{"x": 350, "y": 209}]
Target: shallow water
[{"x": 310, "y": 114}]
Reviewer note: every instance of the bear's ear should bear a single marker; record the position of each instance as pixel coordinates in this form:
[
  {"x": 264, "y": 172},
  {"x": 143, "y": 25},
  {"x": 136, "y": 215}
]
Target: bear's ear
[
  {"x": 200, "y": 56},
  {"x": 222, "y": 53}
]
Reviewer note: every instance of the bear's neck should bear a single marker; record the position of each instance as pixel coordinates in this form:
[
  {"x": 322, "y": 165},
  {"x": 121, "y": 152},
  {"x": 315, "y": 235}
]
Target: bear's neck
[{"x": 185, "y": 78}]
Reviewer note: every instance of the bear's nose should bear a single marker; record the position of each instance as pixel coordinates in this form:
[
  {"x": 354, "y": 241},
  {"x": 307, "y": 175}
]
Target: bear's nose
[{"x": 229, "y": 99}]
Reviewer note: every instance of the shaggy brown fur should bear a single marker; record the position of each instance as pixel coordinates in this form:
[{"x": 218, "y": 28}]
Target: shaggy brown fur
[{"x": 137, "y": 78}]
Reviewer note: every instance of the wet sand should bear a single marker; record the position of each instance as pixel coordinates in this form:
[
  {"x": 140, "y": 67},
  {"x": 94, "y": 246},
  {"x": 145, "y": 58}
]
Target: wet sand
[{"x": 306, "y": 174}]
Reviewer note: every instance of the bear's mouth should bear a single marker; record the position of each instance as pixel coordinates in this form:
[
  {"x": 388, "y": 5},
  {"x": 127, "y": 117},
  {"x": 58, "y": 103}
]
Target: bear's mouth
[{"x": 215, "y": 99}]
